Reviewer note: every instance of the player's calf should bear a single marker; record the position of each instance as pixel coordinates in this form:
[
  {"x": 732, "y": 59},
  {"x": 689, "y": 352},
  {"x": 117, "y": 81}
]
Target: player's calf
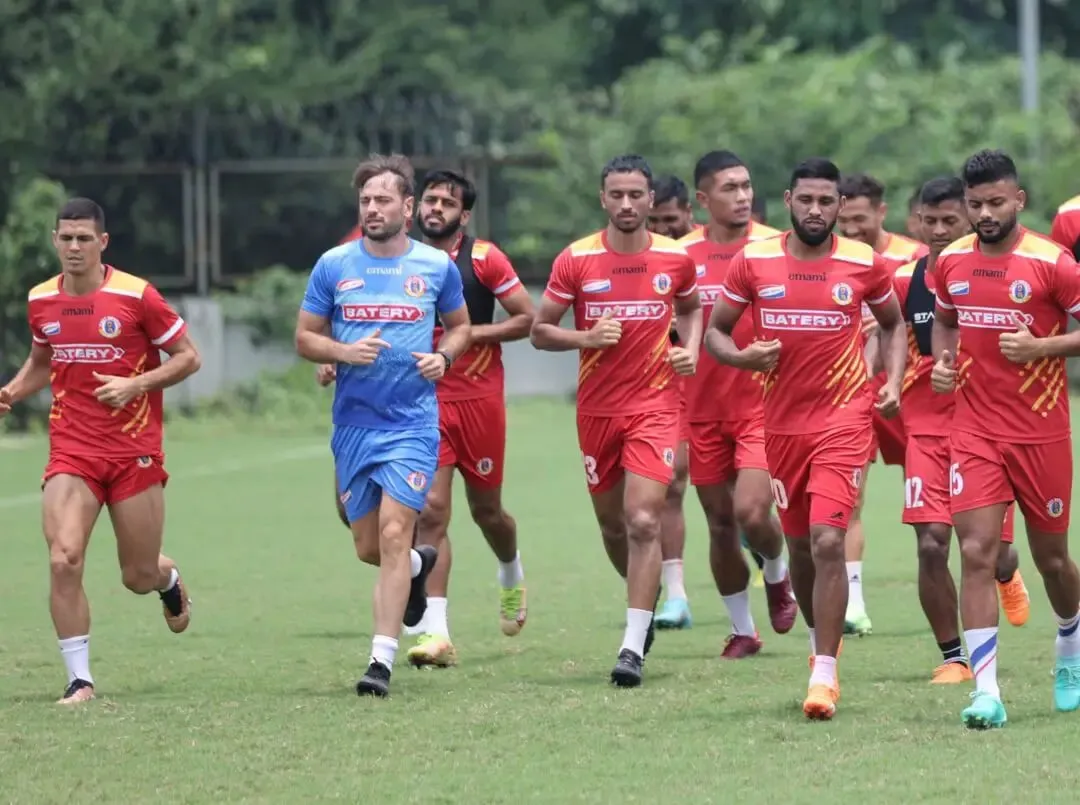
[
  {"x": 753, "y": 515},
  {"x": 500, "y": 533},
  {"x": 937, "y": 596},
  {"x": 1050, "y": 552}
]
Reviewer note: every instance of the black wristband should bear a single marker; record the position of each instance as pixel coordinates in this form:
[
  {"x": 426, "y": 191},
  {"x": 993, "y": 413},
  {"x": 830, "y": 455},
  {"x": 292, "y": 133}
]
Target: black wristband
[{"x": 447, "y": 358}]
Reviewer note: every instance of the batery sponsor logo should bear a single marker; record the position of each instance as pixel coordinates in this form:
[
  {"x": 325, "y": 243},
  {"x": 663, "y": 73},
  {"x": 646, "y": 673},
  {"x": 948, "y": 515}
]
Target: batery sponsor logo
[
  {"x": 710, "y": 293},
  {"x": 350, "y": 285},
  {"x": 626, "y": 311},
  {"x": 86, "y": 353},
  {"x": 376, "y": 312},
  {"x": 991, "y": 318},
  {"x": 823, "y": 320}
]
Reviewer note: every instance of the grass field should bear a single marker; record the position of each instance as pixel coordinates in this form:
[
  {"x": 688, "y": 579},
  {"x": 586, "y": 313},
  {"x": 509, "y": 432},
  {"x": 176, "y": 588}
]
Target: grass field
[{"x": 255, "y": 702}]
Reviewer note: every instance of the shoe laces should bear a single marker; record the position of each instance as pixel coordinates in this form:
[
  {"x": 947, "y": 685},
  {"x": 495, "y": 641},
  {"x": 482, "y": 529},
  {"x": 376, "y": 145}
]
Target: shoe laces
[
  {"x": 1067, "y": 676},
  {"x": 510, "y": 599}
]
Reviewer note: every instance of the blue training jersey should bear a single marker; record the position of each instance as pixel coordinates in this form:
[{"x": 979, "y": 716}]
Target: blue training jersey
[{"x": 399, "y": 296}]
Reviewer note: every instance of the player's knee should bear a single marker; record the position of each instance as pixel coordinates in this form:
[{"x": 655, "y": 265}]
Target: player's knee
[
  {"x": 642, "y": 525},
  {"x": 827, "y": 544},
  {"x": 721, "y": 525},
  {"x": 435, "y": 516},
  {"x": 754, "y": 515},
  {"x": 978, "y": 555},
  {"x": 933, "y": 545},
  {"x": 65, "y": 561},
  {"x": 1049, "y": 552},
  {"x": 395, "y": 540},
  {"x": 487, "y": 514},
  {"x": 140, "y": 579}
]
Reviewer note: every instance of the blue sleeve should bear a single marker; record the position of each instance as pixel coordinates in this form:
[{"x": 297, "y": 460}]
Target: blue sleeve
[
  {"x": 452, "y": 294},
  {"x": 319, "y": 296}
]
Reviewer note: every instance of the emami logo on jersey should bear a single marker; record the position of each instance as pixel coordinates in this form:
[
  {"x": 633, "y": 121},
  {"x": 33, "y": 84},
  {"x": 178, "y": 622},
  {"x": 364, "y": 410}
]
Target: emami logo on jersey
[
  {"x": 626, "y": 311},
  {"x": 710, "y": 293},
  {"x": 821, "y": 320},
  {"x": 771, "y": 292},
  {"x": 350, "y": 285},
  {"x": 87, "y": 353},
  {"x": 991, "y": 318},
  {"x": 596, "y": 286},
  {"x": 958, "y": 288},
  {"x": 405, "y": 313},
  {"x": 50, "y": 328}
]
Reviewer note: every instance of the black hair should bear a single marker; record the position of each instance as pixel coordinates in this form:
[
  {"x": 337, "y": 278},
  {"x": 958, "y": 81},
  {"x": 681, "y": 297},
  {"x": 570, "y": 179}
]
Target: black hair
[
  {"x": 814, "y": 168},
  {"x": 941, "y": 189},
  {"x": 82, "y": 209},
  {"x": 453, "y": 180},
  {"x": 859, "y": 185},
  {"x": 987, "y": 167},
  {"x": 667, "y": 188},
  {"x": 714, "y": 162},
  {"x": 627, "y": 163},
  {"x": 758, "y": 206}
]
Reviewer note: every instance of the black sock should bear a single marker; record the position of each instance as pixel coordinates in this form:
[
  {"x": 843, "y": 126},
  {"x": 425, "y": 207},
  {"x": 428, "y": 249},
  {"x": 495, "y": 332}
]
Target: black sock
[
  {"x": 953, "y": 651},
  {"x": 759, "y": 560}
]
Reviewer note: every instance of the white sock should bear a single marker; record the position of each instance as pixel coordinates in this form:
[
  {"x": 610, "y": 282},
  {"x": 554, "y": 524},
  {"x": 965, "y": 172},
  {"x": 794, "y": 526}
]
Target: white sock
[
  {"x": 435, "y": 618},
  {"x": 76, "y": 654},
  {"x": 416, "y": 564},
  {"x": 672, "y": 575},
  {"x": 824, "y": 672},
  {"x": 813, "y": 642},
  {"x": 738, "y": 607},
  {"x": 511, "y": 573},
  {"x": 384, "y": 649},
  {"x": 173, "y": 578},
  {"x": 854, "y": 585},
  {"x": 1067, "y": 644},
  {"x": 775, "y": 570},
  {"x": 637, "y": 626},
  {"x": 982, "y": 654}
]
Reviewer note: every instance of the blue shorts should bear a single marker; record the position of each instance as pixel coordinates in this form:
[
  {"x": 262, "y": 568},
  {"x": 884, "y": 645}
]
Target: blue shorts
[{"x": 370, "y": 463}]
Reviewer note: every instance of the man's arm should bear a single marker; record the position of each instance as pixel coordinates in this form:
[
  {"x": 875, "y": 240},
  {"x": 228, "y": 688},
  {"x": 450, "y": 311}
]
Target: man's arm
[
  {"x": 546, "y": 334},
  {"x": 184, "y": 361},
  {"x": 688, "y": 321},
  {"x": 519, "y": 305},
  {"x": 312, "y": 343},
  {"x": 456, "y": 333},
  {"x": 945, "y": 334},
  {"x": 34, "y": 374},
  {"x": 718, "y": 341},
  {"x": 892, "y": 338}
]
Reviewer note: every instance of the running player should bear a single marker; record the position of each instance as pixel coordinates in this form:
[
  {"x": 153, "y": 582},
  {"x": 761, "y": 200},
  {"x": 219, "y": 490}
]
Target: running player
[
  {"x": 625, "y": 285},
  {"x": 927, "y": 419},
  {"x": 472, "y": 413},
  {"x": 1006, "y": 294},
  {"x": 863, "y": 219},
  {"x": 1066, "y": 226},
  {"x": 379, "y": 297},
  {"x": 727, "y": 426},
  {"x": 98, "y": 334},
  {"x": 672, "y": 217},
  {"x": 805, "y": 289}
]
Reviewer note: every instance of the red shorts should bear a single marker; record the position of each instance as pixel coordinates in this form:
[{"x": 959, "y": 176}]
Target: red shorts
[
  {"x": 890, "y": 440},
  {"x": 926, "y": 485},
  {"x": 684, "y": 422},
  {"x": 816, "y": 476},
  {"x": 643, "y": 444},
  {"x": 1038, "y": 477},
  {"x": 112, "y": 480},
  {"x": 472, "y": 437},
  {"x": 718, "y": 450}
]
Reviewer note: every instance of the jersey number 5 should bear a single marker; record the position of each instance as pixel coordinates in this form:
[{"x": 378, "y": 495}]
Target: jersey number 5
[{"x": 956, "y": 480}]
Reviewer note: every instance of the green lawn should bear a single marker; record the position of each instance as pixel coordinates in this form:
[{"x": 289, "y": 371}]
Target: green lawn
[{"x": 255, "y": 702}]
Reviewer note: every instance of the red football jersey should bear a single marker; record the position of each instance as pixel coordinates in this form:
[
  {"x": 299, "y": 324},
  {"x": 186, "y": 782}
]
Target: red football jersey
[
  {"x": 716, "y": 392},
  {"x": 1066, "y": 227},
  {"x": 900, "y": 250},
  {"x": 479, "y": 372},
  {"x": 812, "y": 307},
  {"x": 1038, "y": 282},
  {"x": 638, "y": 290},
  {"x": 117, "y": 330}
]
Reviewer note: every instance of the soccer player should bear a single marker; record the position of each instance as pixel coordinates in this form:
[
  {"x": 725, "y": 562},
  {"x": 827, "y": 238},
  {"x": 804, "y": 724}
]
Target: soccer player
[
  {"x": 671, "y": 214},
  {"x": 379, "y": 297},
  {"x": 927, "y": 419},
  {"x": 863, "y": 219},
  {"x": 1006, "y": 295},
  {"x": 472, "y": 413},
  {"x": 805, "y": 289},
  {"x": 1066, "y": 226},
  {"x": 672, "y": 217},
  {"x": 98, "y": 334},
  {"x": 727, "y": 426},
  {"x": 625, "y": 284}
]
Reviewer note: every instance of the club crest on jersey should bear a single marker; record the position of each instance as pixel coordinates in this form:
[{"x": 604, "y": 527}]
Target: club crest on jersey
[
  {"x": 109, "y": 326},
  {"x": 415, "y": 286},
  {"x": 350, "y": 285},
  {"x": 1055, "y": 507},
  {"x": 1020, "y": 291},
  {"x": 842, "y": 293},
  {"x": 417, "y": 480},
  {"x": 596, "y": 286},
  {"x": 958, "y": 288},
  {"x": 144, "y": 462},
  {"x": 484, "y": 466},
  {"x": 669, "y": 457},
  {"x": 661, "y": 283},
  {"x": 771, "y": 292},
  {"x": 50, "y": 328},
  {"x": 856, "y": 477}
]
